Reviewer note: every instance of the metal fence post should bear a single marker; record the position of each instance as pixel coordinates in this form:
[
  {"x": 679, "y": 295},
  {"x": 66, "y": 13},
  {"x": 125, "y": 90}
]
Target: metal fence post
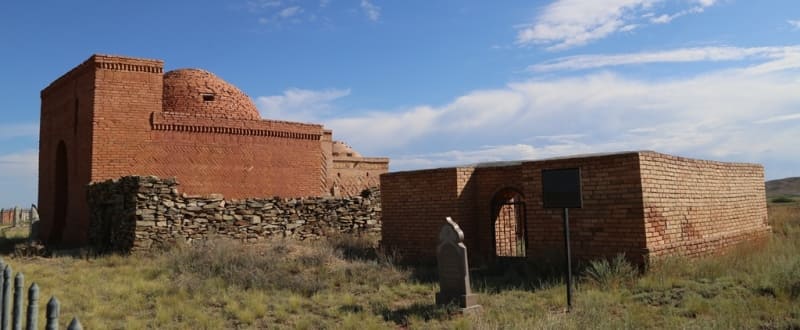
[
  {"x": 75, "y": 324},
  {"x": 53, "y": 309},
  {"x": 16, "y": 318},
  {"x": 33, "y": 307},
  {"x": 6, "y": 298}
]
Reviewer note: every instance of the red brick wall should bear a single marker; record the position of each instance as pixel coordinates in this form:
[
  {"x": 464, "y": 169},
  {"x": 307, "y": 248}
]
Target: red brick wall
[
  {"x": 415, "y": 204},
  {"x": 639, "y": 203},
  {"x": 352, "y": 175},
  {"x": 7, "y": 216},
  {"x": 236, "y": 158},
  {"x": 697, "y": 207},
  {"x": 208, "y": 153},
  {"x": 66, "y": 115},
  {"x": 610, "y": 222}
]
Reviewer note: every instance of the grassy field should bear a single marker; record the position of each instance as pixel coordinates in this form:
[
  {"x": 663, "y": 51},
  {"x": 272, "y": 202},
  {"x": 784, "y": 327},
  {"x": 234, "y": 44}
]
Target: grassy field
[{"x": 344, "y": 283}]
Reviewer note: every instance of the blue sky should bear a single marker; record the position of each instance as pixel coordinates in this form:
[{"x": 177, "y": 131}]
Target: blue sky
[{"x": 439, "y": 83}]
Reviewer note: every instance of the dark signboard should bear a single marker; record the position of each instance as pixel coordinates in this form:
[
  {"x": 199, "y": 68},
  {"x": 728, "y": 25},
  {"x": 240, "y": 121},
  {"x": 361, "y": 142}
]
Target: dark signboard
[{"x": 561, "y": 188}]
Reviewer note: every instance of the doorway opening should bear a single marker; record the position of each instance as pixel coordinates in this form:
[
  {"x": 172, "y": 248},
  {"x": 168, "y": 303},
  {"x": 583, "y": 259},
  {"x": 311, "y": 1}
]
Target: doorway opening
[{"x": 508, "y": 218}]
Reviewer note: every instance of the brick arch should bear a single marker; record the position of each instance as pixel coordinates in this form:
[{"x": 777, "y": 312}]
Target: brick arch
[{"x": 509, "y": 232}]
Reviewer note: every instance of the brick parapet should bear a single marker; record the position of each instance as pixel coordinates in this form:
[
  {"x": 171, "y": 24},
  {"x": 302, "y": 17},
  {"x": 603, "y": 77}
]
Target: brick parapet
[
  {"x": 219, "y": 124},
  {"x": 106, "y": 62}
]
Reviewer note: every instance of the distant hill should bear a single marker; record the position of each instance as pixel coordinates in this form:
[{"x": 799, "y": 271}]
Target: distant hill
[{"x": 787, "y": 186}]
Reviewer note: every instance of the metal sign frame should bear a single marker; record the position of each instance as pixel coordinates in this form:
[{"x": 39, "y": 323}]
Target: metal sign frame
[{"x": 561, "y": 188}]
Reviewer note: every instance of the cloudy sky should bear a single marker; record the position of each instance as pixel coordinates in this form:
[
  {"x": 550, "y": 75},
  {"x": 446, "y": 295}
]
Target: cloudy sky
[{"x": 439, "y": 83}]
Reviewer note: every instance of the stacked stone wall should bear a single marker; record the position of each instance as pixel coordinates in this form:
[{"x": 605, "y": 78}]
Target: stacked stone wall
[{"x": 134, "y": 214}]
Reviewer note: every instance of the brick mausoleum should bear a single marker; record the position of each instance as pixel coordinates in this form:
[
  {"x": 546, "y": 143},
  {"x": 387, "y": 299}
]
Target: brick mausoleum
[
  {"x": 644, "y": 204},
  {"x": 115, "y": 116}
]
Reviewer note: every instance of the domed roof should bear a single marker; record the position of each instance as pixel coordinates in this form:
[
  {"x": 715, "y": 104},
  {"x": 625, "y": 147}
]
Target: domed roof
[
  {"x": 343, "y": 150},
  {"x": 200, "y": 91}
]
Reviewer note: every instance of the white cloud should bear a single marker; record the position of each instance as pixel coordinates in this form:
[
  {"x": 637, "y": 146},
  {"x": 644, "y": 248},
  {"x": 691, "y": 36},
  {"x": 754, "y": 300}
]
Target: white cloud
[
  {"x": 569, "y": 23},
  {"x": 259, "y": 5},
  {"x": 299, "y": 104},
  {"x": 20, "y": 164},
  {"x": 794, "y": 116},
  {"x": 709, "y": 115},
  {"x": 698, "y": 8},
  {"x": 290, "y": 11},
  {"x": 663, "y": 19},
  {"x": 18, "y": 175},
  {"x": 372, "y": 11},
  {"x": 711, "y": 54},
  {"x": 794, "y": 23},
  {"x": 8, "y": 131}
]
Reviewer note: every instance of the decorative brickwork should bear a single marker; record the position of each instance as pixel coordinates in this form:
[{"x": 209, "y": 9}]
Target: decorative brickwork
[
  {"x": 135, "y": 214},
  {"x": 643, "y": 204},
  {"x": 119, "y": 116}
]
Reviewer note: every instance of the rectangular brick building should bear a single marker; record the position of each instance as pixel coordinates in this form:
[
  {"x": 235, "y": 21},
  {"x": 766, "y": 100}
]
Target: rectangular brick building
[{"x": 644, "y": 204}]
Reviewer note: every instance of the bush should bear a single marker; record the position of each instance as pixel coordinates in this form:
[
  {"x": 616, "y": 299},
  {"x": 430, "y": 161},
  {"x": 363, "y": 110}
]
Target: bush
[
  {"x": 782, "y": 199},
  {"x": 611, "y": 274}
]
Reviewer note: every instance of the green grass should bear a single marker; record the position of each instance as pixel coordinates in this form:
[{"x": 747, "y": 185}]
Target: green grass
[{"x": 345, "y": 283}]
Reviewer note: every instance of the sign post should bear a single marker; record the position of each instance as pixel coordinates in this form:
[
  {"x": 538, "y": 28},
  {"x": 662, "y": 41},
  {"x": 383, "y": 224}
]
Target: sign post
[{"x": 561, "y": 188}]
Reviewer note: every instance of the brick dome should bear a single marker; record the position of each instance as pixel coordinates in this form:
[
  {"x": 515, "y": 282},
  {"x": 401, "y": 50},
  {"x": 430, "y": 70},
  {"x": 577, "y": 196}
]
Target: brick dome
[
  {"x": 200, "y": 91},
  {"x": 342, "y": 149}
]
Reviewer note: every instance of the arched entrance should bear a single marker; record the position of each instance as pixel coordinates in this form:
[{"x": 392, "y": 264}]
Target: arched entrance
[
  {"x": 508, "y": 219},
  {"x": 61, "y": 190}
]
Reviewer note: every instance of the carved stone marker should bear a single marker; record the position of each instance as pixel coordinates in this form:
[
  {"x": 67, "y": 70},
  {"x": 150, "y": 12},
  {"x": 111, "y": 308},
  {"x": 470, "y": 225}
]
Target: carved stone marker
[
  {"x": 451, "y": 255},
  {"x": 34, "y": 234}
]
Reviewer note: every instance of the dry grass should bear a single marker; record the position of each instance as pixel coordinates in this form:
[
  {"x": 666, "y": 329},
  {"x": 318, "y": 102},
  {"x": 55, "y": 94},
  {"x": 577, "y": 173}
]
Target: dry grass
[{"x": 345, "y": 283}]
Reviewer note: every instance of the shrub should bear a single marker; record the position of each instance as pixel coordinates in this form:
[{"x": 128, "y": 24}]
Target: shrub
[
  {"x": 782, "y": 199},
  {"x": 611, "y": 274}
]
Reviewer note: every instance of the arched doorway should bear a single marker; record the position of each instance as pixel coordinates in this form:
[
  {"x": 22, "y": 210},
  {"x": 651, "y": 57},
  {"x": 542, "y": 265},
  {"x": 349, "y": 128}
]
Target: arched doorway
[
  {"x": 61, "y": 190},
  {"x": 508, "y": 219}
]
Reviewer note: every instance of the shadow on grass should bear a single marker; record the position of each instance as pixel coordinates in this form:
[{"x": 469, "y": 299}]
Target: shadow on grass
[
  {"x": 7, "y": 244},
  {"x": 425, "y": 312},
  {"x": 503, "y": 274},
  {"x": 518, "y": 274}
]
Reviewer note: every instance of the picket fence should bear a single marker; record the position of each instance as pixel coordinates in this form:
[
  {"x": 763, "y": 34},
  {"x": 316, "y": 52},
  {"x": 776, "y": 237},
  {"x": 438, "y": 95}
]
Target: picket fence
[{"x": 11, "y": 311}]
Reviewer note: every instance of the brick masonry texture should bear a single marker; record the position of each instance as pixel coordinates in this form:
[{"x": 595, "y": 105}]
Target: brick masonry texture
[
  {"x": 643, "y": 204},
  {"x": 119, "y": 116},
  {"x": 139, "y": 214}
]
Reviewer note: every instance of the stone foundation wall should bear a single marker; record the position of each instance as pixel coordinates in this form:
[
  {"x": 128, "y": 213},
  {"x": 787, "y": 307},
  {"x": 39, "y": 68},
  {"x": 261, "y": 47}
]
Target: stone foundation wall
[{"x": 135, "y": 213}]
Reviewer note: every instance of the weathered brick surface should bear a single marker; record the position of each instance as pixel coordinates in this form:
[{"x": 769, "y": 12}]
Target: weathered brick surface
[
  {"x": 698, "y": 207},
  {"x": 136, "y": 214},
  {"x": 120, "y": 116},
  {"x": 626, "y": 197}
]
